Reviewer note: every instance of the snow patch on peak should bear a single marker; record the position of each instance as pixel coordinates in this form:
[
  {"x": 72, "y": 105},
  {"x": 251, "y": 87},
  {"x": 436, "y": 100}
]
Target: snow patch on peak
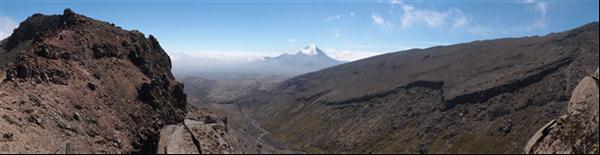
[{"x": 310, "y": 50}]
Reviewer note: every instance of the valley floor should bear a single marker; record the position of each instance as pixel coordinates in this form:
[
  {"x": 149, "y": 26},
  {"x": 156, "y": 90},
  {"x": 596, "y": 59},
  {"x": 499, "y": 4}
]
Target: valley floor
[{"x": 245, "y": 134}]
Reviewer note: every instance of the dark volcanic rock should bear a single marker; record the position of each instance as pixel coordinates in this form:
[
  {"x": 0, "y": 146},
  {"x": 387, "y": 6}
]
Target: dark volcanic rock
[
  {"x": 94, "y": 86},
  {"x": 445, "y": 99}
]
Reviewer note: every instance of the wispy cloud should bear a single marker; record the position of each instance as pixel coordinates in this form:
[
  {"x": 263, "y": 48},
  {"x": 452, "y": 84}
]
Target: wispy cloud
[
  {"x": 336, "y": 33},
  {"x": 332, "y": 18},
  {"x": 452, "y": 19},
  {"x": 216, "y": 57},
  {"x": 222, "y": 57},
  {"x": 460, "y": 20},
  {"x": 7, "y": 26},
  {"x": 349, "y": 55},
  {"x": 395, "y": 2},
  {"x": 528, "y": 1},
  {"x": 541, "y": 8},
  {"x": 351, "y": 13},
  {"x": 430, "y": 17},
  {"x": 379, "y": 21}
]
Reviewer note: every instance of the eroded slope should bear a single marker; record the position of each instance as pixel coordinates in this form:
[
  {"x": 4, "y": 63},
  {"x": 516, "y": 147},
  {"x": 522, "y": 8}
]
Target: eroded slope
[{"x": 478, "y": 97}]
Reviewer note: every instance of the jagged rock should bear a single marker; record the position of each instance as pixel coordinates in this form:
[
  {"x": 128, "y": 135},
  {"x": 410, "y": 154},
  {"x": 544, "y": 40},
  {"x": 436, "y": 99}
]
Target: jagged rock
[
  {"x": 176, "y": 139},
  {"x": 167, "y": 96},
  {"x": 193, "y": 137},
  {"x": 584, "y": 98},
  {"x": 92, "y": 86},
  {"x": 6, "y": 137},
  {"x": 576, "y": 132},
  {"x": 505, "y": 129},
  {"x": 210, "y": 136},
  {"x": 52, "y": 52},
  {"x": 541, "y": 134},
  {"x": 210, "y": 120}
]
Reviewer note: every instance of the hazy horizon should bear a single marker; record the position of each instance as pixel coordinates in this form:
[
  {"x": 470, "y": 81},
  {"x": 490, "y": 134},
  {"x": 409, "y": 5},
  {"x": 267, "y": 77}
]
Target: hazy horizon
[{"x": 209, "y": 33}]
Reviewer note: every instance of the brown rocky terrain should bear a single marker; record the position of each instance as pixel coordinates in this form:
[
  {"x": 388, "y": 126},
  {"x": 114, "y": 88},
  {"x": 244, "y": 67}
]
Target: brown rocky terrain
[
  {"x": 576, "y": 132},
  {"x": 200, "y": 133},
  {"x": 72, "y": 84},
  {"x": 478, "y": 97}
]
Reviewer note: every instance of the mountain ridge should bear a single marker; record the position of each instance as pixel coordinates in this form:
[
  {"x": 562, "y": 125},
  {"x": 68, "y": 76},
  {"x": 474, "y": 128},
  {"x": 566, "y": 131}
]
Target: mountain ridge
[
  {"x": 308, "y": 59},
  {"x": 430, "y": 95},
  {"x": 73, "y": 84}
]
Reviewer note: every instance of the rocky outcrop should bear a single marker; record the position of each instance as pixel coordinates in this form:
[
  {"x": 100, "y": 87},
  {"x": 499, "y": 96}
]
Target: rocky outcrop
[
  {"x": 70, "y": 83},
  {"x": 200, "y": 133},
  {"x": 176, "y": 139},
  {"x": 576, "y": 132}
]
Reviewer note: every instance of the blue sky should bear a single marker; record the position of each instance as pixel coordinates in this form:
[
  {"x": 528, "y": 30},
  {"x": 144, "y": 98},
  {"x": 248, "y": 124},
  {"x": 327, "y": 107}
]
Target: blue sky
[{"x": 347, "y": 30}]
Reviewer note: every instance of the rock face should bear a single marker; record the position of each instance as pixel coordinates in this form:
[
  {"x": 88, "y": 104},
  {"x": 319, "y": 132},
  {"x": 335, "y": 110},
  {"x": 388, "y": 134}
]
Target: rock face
[
  {"x": 200, "y": 133},
  {"x": 73, "y": 84},
  {"x": 576, "y": 132},
  {"x": 176, "y": 139},
  {"x": 479, "y": 97}
]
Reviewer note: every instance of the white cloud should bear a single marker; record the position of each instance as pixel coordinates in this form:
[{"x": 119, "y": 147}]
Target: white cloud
[
  {"x": 453, "y": 18},
  {"x": 7, "y": 26},
  {"x": 541, "y": 8},
  {"x": 292, "y": 40},
  {"x": 332, "y": 18},
  {"x": 395, "y": 2},
  {"x": 207, "y": 58},
  {"x": 379, "y": 21},
  {"x": 348, "y": 55},
  {"x": 430, "y": 17},
  {"x": 460, "y": 20},
  {"x": 337, "y": 33},
  {"x": 351, "y": 13},
  {"x": 216, "y": 57},
  {"x": 528, "y": 1}
]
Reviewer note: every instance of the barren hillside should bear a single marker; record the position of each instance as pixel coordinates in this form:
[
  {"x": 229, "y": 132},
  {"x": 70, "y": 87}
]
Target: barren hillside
[
  {"x": 72, "y": 84},
  {"x": 478, "y": 97}
]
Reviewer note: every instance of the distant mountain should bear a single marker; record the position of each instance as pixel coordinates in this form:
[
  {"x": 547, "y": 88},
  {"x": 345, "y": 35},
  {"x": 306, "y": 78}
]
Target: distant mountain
[
  {"x": 308, "y": 59},
  {"x": 479, "y": 97}
]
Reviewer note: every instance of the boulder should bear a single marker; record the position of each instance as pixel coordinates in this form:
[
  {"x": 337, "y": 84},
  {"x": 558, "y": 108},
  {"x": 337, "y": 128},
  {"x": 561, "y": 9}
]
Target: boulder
[
  {"x": 537, "y": 141},
  {"x": 576, "y": 132},
  {"x": 176, "y": 139},
  {"x": 210, "y": 136},
  {"x": 584, "y": 97},
  {"x": 193, "y": 137}
]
